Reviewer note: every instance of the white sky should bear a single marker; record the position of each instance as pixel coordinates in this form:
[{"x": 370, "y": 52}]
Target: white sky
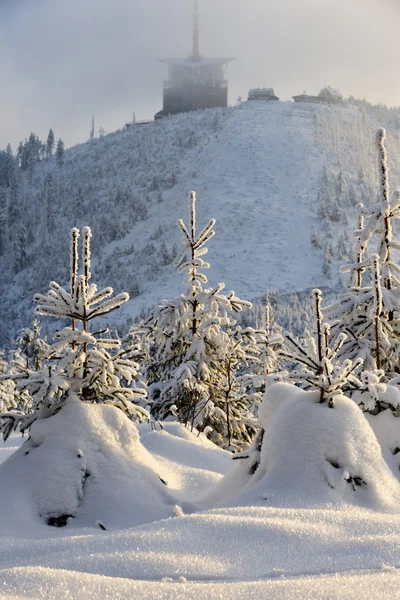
[{"x": 62, "y": 60}]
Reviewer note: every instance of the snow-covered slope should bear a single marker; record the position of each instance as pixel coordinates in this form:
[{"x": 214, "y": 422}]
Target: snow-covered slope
[
  {"x": 263, "y": 170},
  {"x": 259, "y": 179}
]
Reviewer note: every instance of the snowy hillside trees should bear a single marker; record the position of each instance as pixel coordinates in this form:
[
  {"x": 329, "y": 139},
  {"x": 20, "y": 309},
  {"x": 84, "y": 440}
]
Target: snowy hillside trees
[
  {"x": 28, "y": 355},
  {"x": 368, "y": 312},
  {"x": 115, "y": 184},
  {"x": 7, "y": 168},
  {"x": 88, "y": 364},
  {"x": 31, "y": 349},
  {"x": 60, "y": 153},
  {"x": 195, "y": 350}
]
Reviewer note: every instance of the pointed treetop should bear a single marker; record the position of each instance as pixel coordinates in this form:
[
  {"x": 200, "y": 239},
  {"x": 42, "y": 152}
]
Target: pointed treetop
[{"x": 383, "y": 164}]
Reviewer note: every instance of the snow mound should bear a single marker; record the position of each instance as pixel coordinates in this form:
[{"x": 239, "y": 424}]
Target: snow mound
[
  {"x": 85, "y": 462},
  {"x": 309, "y": 455},
  {"x": 387, "y": 430}
]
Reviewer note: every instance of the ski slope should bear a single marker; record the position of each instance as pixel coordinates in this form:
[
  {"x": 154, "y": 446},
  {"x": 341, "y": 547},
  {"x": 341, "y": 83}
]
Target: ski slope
[{"x": 259, "y": 179}]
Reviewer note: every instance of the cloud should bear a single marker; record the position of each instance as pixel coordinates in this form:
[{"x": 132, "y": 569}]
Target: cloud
[{"x": 65, "y": 60}]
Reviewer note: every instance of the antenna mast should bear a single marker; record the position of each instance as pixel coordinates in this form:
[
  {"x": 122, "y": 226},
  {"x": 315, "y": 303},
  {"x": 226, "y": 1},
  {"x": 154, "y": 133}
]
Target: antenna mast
[{"x": 196, "y": 36}]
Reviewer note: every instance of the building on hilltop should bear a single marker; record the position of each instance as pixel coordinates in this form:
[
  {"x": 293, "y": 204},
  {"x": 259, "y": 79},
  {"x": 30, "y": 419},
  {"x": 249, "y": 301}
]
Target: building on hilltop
[
  {"x": 262, "y": 94},
  {"x": 327, "y": 95},
  {"x": 195, "y": 82},
  {"x": 330, "y": 95},
  {"x": 307, "y": 98}
]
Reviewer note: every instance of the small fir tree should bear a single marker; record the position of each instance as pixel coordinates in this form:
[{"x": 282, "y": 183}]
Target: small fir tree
[
  {"x": 265, "y": 370},
  {"x": 270, "y": 342},
  {"x": 191, "y": 345},
  {"x": 359, "y": 314},
  {"x": 318, "y": 358},
  {"x": 88, "y": 364},
  {"x": 238, "y": 425}
]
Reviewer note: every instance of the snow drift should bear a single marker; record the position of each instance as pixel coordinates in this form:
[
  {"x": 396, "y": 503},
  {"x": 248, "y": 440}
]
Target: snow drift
[
  {"x": 230, "y": 553},
  {"x": 387, "y": 430},
  {"x": 309, "y": 455},
  {"x": 85, "y": 462},
  {"x": 86, "y": 467}
]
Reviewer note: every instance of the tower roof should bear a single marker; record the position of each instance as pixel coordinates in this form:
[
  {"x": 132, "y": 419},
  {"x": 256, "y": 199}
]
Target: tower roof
[{"x": 194, "y": 63}]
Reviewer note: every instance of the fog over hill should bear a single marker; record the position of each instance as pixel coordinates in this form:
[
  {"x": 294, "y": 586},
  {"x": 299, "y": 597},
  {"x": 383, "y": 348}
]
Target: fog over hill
[
  {"x": 113, "y": 70},
  {"x": 282, "y": 180}
]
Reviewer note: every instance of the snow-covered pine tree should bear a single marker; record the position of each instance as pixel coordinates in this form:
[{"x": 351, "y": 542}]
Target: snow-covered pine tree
[
  {"x": 347, "y": 312},
  {"x": 60, "y": 153},
  {"x": 92, "y": 366},
  {"x": 239, "y": 352},
  {"x": 271, "y": 343},
  {"x": 379, "y": 222},
  {"x": 191, "y": 338},
  {"x": 28, "y": 356},
  {"x": 327, "y": 266},
  {"x": 50, "y": 144},
  {"x": 318, "y": 359},
  {"x": 369, "y": 310},
  {"x": 135, "y": 346},
  {"x": 263, "y": 368},
  {"x": 7, "y": 388},
  {"x": 19, "y": 249},
  {"x": 342, "y": 249},
  {"x": 359, "y": 314},
  {"x": 258, "y": 368},
  {"x": 30, "y": 348}
]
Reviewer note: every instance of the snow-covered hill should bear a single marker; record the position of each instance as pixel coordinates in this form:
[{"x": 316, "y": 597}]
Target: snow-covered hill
[{"x": 270, "y": 173}]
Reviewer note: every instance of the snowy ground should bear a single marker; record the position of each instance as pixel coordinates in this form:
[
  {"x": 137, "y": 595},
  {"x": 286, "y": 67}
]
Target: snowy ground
[
  {"x": 337, "y": 552},
  {"x": 256, "y": 553}
]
